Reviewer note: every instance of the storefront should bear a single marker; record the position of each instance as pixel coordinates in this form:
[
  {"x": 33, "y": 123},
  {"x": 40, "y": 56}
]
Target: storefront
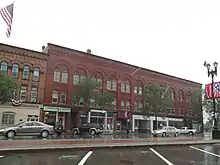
[
  {"x": 55, "y": 114},
  {"x": 99, "y": 116},
  {"x": 13, "y": 114},
  {"x": 148, "y": 123}
]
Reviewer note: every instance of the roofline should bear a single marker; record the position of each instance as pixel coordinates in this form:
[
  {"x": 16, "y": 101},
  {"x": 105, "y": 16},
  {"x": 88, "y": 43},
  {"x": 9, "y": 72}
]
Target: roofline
[
  {"x": 23, "y": 48},
  {"x": 127, "y": 64}
]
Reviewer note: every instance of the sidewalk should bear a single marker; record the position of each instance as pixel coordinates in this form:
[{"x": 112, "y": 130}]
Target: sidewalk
[{"x": 66, "y": 144}]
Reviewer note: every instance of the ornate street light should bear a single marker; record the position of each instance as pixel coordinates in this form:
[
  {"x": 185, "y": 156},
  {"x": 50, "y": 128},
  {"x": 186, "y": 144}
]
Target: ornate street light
[{"x": 213, "y": 73}]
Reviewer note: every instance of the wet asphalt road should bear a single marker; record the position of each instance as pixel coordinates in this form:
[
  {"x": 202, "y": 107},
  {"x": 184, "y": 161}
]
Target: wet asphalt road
[{"x": 186, "y": 155}]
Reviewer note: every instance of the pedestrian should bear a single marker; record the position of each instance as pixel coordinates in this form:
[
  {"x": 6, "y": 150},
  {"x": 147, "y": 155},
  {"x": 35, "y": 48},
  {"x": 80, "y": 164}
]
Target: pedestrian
[{"x": 59, "y": 128}]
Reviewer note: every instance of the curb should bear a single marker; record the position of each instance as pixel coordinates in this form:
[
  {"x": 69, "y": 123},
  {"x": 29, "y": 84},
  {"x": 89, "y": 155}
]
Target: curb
[{"x": 107, "y": 146}]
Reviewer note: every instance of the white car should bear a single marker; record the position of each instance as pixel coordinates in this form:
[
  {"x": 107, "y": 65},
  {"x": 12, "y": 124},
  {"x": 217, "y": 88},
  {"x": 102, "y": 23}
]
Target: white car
[
  {"x": 166, "y": 131},
  {"x": 185, "y": 130}
]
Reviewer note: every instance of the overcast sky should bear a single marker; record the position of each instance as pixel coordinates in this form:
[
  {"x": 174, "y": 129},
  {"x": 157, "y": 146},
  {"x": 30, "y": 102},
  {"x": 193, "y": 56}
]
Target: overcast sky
[{"x": 169, "y": 36}]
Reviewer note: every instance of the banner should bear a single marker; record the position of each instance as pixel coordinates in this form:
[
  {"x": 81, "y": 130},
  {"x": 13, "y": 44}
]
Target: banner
[{"x": 216, "y": 90}]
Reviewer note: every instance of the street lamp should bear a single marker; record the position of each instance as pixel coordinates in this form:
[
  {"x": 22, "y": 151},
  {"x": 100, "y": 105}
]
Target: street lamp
[{"x": 213, "y": 73}]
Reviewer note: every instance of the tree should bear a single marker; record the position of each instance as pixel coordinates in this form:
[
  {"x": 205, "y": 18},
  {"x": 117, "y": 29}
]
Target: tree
[
  {"x": 156, "y": 101},
  {"x": 88, "y": 91},
  {"x": 208, "y": 108},
  {"x": 196, "y": 102},
  {"x": 7, "y": 88}
]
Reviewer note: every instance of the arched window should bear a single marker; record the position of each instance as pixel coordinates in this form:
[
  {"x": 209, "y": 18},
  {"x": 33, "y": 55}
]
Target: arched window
[
  {"x": 125, "y": 86},
  {"x": 112, "y": 83},
  {"x": 4, "y": 68},
  {"x": 15, "y": 69},
  {"x": 36, "y": 74},
  {"x": 172, "y": 93},
  {"x": 79, "y": 76},
  {"x": 25, "y": 72},
  {"x": 61, "y": 74},
  {"x": 181, "y": 95},
  {"x": 97, "y": 77},
  {"x": 138, "y": 88}
]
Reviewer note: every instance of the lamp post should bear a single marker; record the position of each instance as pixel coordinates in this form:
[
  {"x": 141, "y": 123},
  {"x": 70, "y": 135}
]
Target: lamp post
[{"x": 213, "y": 73}]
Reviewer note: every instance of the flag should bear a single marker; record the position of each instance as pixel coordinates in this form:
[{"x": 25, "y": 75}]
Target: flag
[
  {"x": 216, "y": 89},
  {"x": 7, "y": 16}
]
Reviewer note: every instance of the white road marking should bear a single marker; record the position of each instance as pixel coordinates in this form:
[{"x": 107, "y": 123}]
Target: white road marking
[
  {"x": 205, "y": 151},
  {"x": 161, "y": 157},
  {"x": 84, "y": 159},
  {"x": 1, "y": 157}
]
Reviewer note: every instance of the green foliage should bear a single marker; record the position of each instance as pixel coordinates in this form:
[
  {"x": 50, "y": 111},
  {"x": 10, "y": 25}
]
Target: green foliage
[
  {"x": 104, "y": 100},
  {"x": 88, "y": 90},
  {"x": 7, "y": 88},
  {"x": 196, "y": 101},
  {"x": 156, "y": 100}
]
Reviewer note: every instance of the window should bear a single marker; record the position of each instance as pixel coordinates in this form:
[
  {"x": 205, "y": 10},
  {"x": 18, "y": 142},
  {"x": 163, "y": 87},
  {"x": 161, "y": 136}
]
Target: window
[
  {"x": 188, "y": 98},
  {"x": 64, "y": 78},
  {"x": 32, "y": 118},
  {"x": 128, "y": 105},
  {"x": 125, "y": 87},
  {"x": 4, "y": 68},
  {"x": 56, "y": 76},
  {"x": 8, "y": 118},
  {"x": 181, "y": 95},
  {"x": 138, "y": 88},
  {"x": 36, "y": 74},
  {"x": 63, "y": 97},
  {"x": 135, "y": 105},
  {"x": 190, "y": 112},
  {"x": 140, "y": 105},
  {"x": 114, "y": 104},
  {"x": 37, "y": 124},
  {"x": 76, "y": 79},
  {"x": 122, "y": 87},
  {"x": 55, "y": 96},
  {"x": 34, "y": 94},
  {"x": 122, "y": 105},
  {"x": 15, "y": 69},
  {"x": 23, "y": 93},
  {"x": 181, "y": 111},
  {"x": 112, "y": 84},
  {"x": 99, "y": 81},
  {"x": 172, "y": 94},
  {"x": 25, "y": 72}
]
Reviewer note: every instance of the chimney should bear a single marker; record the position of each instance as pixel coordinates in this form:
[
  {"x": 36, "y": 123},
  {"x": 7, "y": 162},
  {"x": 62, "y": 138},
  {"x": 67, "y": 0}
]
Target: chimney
[
  {"x": 43, "y": 47},
  {"x": 89, "y": 51}
]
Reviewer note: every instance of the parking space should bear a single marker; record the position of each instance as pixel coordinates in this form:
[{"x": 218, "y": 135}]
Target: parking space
[{"x": 185, "y": 155}]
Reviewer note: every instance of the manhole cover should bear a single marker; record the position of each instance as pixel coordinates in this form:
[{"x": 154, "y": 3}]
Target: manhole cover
[
  {"x": 68, "y": 157},
  {"x": 127, "y": 162}
]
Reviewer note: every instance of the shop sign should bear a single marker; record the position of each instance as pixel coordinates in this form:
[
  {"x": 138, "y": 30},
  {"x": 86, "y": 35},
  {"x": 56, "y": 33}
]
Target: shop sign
[{"x": 57, "y": 109}]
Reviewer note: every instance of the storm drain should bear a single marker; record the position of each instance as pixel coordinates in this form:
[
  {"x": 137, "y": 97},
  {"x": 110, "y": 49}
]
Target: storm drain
[
  {"x": 68, "y": 157},
  {"x": 127, "y": 162}
]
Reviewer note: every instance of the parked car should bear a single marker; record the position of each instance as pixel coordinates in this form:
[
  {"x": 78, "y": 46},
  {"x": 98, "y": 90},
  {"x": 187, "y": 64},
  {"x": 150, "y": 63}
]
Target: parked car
[
  {"x": 30, "y": 128},
  {"x": 185, "y": 130},
  {"x": 91, "y": 128},
  {"x": 166, "y": 131}
]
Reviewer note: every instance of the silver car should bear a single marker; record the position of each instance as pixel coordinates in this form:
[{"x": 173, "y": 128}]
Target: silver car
[
  {"x": 166, "y": 131},
  {"x": 30, "y": 128}
]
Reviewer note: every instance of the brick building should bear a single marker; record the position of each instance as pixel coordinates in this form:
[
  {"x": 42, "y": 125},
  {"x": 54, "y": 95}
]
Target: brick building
[
  {"x": 66, "y": 67},
  {"x": 28, "y": 67}
]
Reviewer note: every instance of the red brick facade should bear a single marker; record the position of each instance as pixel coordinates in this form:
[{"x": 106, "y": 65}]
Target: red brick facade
[{"x": 72, "y": 61}]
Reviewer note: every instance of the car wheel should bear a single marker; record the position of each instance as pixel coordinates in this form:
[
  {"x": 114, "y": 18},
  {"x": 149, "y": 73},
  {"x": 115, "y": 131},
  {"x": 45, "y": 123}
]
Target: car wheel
[
  {"x": 75, "y": 132},
  {"x": 176, "y": 134},
  {"x": 10, "y": 134},
  {"x": 44, "y": 134},
  {"x": 164, "y": 134},
  {"x": 191, "y": 133},
  {"x": 92, "y": 132}
]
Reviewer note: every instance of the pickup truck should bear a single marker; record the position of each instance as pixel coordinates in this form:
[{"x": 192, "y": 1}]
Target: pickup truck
[{"x": 185, "y": 130}]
